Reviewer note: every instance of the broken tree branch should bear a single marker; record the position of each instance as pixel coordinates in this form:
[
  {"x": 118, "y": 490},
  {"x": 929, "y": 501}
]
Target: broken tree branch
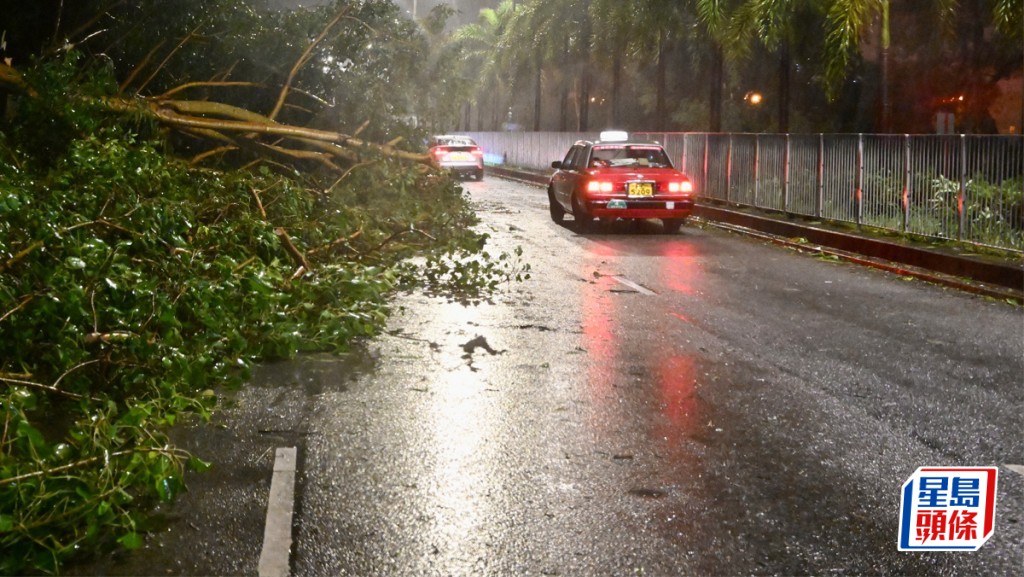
[
  {"x": 289, "y": 246},
  {"x": 164, "y": 62},
  {"x": 302, "y": 62},
  {"x": 209, "y": 84},
  {"x": 22, "y": 254},
  {"x": 335, "y": 244},
  {"x": 24, "y": 301},
  {"x": 234, "y": 126},
  {"x": 139, "y": 68},
  {"x": 259, "y": 203}
]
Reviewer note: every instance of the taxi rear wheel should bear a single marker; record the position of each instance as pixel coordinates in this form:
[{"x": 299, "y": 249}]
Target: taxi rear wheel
[
  {"x": 671, "y": 225},
  {"x": 584, "y": 221},
  {"x": 557, "y": 212}
]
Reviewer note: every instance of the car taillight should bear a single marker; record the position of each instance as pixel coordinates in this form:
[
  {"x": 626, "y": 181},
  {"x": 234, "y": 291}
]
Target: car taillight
[
  {"x": 599, "y": 186},
  {"x": 684, "y": 186},
  {"x": 440, "y": 151},
  {"x": 477, "y": 151}
]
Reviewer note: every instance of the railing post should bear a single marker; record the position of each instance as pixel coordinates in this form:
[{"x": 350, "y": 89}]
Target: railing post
[
  {"x": 728, "y": 171},
  {"x": 962, "y": 193},
  {"x": 906, "y": 183},
  {"x": 705, "y": 176},
  {"x": 682, "y": 161},
  {"x": 859, "y": 181},
  {"x": 785, "y": 177},
  {"x": 819, "y": 199},
  {"x": 757, "y": 170}
]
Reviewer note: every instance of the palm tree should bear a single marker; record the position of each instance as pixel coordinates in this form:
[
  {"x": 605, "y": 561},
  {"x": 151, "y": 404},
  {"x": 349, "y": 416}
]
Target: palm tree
[
  {"x": 482, "y": 44},
  {"x": 614, "y": 27},
  {"x": 775, "y": 24},
  {"x": 846, "y": 22},
  {"x": 525, "y": 48},
  {"x": 559, "y": 34},
  {"x": 670, "y": 20},
  {"x": 713, "y": 16}
]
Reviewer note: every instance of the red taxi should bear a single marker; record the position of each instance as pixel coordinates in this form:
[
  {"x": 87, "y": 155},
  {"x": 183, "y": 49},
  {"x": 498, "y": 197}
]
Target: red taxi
[{"x": 616, "y": 177}]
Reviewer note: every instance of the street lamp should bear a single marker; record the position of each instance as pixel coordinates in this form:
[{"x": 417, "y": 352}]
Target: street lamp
[{"x": 753, "y": 98}]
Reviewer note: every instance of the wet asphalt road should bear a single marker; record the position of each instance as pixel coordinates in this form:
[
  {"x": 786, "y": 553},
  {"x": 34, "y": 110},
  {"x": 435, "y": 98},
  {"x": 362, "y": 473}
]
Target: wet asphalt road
[{"x": 694, "y": 404}]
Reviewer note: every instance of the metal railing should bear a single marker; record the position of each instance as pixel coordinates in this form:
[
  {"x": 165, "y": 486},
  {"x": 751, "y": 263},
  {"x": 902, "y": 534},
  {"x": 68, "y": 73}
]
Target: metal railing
[{"x": 968, "y": 188}]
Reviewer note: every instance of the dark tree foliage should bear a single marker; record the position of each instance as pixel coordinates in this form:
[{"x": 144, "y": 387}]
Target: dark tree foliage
[{"x": 369, "y": 69}]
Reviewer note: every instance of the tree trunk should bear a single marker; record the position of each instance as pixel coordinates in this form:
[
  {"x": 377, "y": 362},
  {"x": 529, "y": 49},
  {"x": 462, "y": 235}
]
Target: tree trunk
[
  {"x": 659, "y": 82},
  {"x": 715, "y": 96},
  {"x": 584, "y": 95},
  {"x": 232, "y": 128},
  {"x": 495, "y": 112},
  {"x": 563, "y": 109},
  {"x": 784, "y": 93},
  {"x": 584, "y": 118},
  {"x": 617, "y": 88},
  {"x": 563, "y": 112},
  {"x": 886, "y": 123},
  {"x": 537, "y": 93}
]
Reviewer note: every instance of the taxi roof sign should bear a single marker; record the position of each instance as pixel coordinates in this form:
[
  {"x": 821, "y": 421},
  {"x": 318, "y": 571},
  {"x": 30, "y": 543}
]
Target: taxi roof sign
[{"x": 614, "y": 136}]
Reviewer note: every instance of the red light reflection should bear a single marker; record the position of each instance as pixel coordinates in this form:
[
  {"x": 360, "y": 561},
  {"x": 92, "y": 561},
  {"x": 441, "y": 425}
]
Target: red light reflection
[
  {"x": 607, "y": 314},
  {"x": 676, "y": 382}
]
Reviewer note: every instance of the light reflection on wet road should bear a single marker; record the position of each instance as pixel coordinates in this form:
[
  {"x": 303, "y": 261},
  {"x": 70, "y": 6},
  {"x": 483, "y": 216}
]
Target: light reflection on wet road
[
  {"x": 750, "y": 411},
  {"x": 687, "y": 427}
]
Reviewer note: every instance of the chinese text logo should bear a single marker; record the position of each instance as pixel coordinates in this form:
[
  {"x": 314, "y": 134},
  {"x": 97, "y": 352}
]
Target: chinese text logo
[{"x": 948, "y": 509}]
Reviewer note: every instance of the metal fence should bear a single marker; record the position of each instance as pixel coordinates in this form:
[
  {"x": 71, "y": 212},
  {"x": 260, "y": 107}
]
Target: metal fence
[{"x": 961, "y": 187}]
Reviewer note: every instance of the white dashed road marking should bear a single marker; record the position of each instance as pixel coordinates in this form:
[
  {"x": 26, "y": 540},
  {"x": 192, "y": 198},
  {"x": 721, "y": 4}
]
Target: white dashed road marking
[
  {"x": 277, "y": 533},
  {"x": 638, "y": 288}
]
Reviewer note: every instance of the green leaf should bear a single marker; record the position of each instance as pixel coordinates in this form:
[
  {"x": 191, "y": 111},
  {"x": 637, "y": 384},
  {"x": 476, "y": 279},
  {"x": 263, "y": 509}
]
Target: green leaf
[
  {"x": 168, "y": 488},
  {"x": 75, "y": 263},
  {"x": 35, "y": 438},
  {"x": 198, "y": 465},
  {"x": 23, "y": 398},
  {"x": 130, "y": 541}
]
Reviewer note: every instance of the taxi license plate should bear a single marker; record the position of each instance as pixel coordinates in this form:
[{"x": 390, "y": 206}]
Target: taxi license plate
[{"x": 640, "y": 189}]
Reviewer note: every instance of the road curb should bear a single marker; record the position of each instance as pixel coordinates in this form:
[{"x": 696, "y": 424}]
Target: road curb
[{"x": 987, "y": 276}]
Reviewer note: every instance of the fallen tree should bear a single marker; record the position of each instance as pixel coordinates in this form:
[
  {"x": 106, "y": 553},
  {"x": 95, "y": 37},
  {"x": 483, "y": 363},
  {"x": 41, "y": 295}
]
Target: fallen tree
[
  {"x": 230, "y": 128},
  {"x": 137, "y": 285}
]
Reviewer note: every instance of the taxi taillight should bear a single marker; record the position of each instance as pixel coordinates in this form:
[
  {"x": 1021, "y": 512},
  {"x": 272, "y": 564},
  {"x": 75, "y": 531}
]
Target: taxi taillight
[
  {"x": 600, "y": 186},
  {"x": 684, "y": 186}
]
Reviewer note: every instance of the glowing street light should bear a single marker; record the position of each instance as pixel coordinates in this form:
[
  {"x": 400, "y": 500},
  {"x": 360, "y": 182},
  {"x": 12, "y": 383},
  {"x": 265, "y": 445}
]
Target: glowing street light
[{"x": 753, "y": 98}]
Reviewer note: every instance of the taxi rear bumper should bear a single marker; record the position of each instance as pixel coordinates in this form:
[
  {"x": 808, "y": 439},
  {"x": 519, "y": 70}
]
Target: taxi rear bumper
[{"x": 640, "y": 208}]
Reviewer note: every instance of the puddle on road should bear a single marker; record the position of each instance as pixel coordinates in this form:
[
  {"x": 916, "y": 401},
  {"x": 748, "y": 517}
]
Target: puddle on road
[{"x": 316, "y": 373}]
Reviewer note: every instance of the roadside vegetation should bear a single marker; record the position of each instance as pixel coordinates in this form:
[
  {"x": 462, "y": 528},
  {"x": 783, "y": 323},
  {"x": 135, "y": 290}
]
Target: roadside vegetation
[{"x": 185, "y": 193}]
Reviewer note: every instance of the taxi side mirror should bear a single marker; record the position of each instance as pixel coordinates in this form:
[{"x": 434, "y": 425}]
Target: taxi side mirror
[{"x": 556, "y": 164}]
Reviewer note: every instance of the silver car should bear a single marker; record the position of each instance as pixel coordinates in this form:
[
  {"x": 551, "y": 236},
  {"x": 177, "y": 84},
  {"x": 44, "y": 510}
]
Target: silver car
[{"x": 460, "y": 154}]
